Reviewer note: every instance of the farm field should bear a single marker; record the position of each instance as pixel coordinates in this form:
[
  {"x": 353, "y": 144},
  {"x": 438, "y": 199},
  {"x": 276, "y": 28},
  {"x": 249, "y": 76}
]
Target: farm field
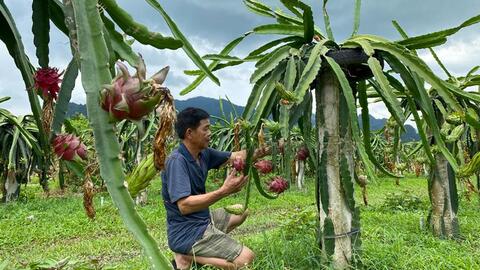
[
  {"x": 348, "y": 133},
  {"x": 39, "y": 231}
]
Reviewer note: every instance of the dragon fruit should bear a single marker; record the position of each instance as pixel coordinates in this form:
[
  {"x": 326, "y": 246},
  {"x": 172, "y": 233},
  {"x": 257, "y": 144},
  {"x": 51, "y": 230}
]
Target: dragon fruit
[
  {"x": 264, "y": 166},
  {"x": 303, "y": 153},
  {"x": 68, "y": 147},
  {"x": 47, "y": 81},
  {"x": 278, "y": 185},
  {"x": 239, "y": 164},
  {"x": 133, "y": 97}
]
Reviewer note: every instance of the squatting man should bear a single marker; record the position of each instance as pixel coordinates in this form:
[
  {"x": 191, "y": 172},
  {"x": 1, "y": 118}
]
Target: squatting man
[{"x": 196, "y": 234}]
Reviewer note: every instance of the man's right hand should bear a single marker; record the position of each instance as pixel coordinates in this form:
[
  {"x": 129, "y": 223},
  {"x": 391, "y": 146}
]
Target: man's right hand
[{"x": 234, "y": 183}]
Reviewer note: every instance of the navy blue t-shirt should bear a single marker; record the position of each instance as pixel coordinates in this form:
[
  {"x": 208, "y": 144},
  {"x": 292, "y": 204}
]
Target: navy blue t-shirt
[{"x": 183, "y": 177}]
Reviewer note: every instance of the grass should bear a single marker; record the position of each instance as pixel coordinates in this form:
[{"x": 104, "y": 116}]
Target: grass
[{"x": 43, "y": 231}]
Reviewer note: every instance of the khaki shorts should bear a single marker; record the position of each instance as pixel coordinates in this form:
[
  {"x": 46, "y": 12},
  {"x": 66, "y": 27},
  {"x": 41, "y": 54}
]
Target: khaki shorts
[{"x": 215, "y": 242}]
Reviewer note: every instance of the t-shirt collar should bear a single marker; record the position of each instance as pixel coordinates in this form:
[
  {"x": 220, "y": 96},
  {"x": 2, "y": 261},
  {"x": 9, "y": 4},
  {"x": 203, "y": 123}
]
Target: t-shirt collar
[{"x": 184, "y": 151}]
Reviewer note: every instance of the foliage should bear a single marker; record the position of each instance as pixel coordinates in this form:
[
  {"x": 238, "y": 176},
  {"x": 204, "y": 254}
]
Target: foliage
[
  {"x": 135, "y": 139},
  {"x": 402, "y": 201},
  {"x": 80, "y": 125},
  {"x": 20, "y": 152},
  {"x": 288, "y": 68},
  {"x": 300, "y": 222},
  {"x": 89, "y": 48},
  {"x": 223, "y": 130},
  {"x": 391, "y": 239},
  {"x": 12, "y": 39},
  {"x": 271, "y": 69}
]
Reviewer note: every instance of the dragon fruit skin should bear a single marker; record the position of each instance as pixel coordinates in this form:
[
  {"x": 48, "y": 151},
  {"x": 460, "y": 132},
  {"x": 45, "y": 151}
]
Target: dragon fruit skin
[
  {"x": 264, "y": 166},
  {"x": 239, "y": 164},
  {"x": 303, "y": 153},
  {"x": 68, "y": 147},
  {"x": 277, "y": 185}
]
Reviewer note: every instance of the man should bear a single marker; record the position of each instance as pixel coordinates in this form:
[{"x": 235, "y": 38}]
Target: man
[{"x": 195, "y": 233}]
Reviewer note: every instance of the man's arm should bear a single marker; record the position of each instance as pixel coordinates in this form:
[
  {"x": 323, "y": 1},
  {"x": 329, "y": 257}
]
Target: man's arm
[{"x": 195, "y": 203}]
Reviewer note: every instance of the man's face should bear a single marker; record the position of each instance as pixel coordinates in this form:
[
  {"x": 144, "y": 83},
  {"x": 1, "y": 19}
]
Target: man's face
[{"x": 200, "y": 136}]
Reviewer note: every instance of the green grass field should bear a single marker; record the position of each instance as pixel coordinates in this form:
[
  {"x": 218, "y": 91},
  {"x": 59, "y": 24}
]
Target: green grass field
[{"x": 40, "y": 231}]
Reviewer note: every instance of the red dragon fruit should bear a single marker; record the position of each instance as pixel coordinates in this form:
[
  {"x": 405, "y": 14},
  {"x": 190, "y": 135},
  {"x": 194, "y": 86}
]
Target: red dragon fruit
[
  {"x": 264, "y": 166},
  {"x": 278, "y": 185},
  {"x": 47, "y": 81},
  {"x": 303, "y": 153},
  {"x": 133, "y": 97},
  {"x": 68, "y": 146},
  {"x": 238, "y": 164}
]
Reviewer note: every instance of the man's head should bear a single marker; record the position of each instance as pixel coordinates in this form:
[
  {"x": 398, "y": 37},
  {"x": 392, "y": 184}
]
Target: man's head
[{"x": 193, "y": 127}]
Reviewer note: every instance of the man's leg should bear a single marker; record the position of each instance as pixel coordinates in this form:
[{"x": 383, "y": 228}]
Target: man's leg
[
  {"x": 244, "y": 259},
  {"x": 218, "y": 248},
  {"x": 236, "y": 220},
  {"x": 183, "y": 261},
  {"x": 226, "y": 222}
]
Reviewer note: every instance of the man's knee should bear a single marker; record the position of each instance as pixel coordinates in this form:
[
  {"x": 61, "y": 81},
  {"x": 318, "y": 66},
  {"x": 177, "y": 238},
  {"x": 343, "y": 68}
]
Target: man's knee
[
  {"x": 236, "y": 220},
  {"x": 246, "y": 257}
]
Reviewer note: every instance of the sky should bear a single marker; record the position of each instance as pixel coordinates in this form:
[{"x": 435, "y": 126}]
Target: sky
[{"x": 211, "y": 24}]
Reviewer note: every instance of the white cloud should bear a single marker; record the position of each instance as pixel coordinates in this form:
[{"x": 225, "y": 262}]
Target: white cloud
[
  {"x": 459, "y": 56},
  {"x": 378, "y": 110}
]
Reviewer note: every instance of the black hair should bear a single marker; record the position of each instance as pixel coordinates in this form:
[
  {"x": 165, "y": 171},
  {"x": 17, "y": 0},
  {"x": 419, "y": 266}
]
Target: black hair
[{"x": 189, "y": 118}]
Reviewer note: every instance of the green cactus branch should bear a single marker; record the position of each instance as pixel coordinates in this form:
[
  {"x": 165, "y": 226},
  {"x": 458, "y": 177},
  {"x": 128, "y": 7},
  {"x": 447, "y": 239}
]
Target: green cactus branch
[
  {"x": 95, "y": 73},
  {"x": 139, "y": 31}
]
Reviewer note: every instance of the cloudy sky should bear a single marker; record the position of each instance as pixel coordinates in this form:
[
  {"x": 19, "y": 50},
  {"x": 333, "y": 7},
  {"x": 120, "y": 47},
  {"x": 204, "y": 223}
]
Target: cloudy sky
[{"x": 211, "y": 24}]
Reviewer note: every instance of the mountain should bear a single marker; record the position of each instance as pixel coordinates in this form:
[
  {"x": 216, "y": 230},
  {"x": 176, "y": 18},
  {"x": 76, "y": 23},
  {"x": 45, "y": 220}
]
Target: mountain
[
  {"x": 410, "y": 134},
  {"x": 376, "y": 124},
  {"x": 212, "y": 106},
  {"x": 74, "y": 108}
]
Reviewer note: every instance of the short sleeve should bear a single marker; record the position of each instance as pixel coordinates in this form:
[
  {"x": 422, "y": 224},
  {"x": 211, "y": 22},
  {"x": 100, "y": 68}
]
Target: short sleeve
[
  {"x": 217, "y": 158},
  {"x": 178, "y": 181}
]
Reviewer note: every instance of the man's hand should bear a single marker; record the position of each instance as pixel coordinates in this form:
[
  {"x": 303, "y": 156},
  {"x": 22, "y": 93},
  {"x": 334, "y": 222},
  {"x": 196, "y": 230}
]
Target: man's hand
[
  {"x": 234, "y": 183},
  {"x": 258, "y": 153},
  {"x": 195, "y": 203}
]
